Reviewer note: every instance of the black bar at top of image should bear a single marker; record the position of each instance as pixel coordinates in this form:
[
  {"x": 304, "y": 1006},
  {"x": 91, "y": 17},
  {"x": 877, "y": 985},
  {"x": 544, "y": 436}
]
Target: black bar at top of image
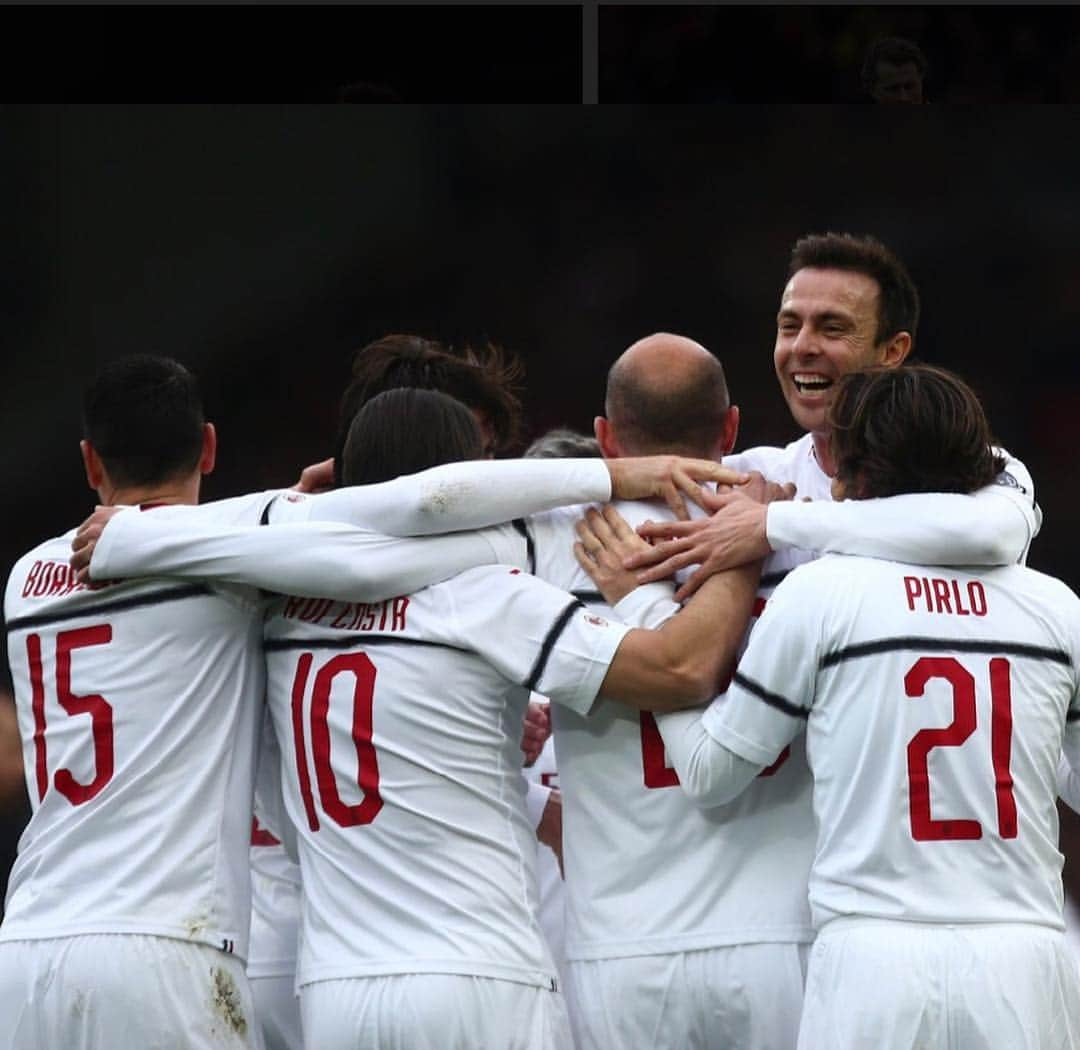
[{"x": 282, "y": 53}]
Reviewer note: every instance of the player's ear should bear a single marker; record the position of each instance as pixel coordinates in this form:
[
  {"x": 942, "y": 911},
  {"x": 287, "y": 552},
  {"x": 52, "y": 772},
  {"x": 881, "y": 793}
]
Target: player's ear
[
  {"x": 730, "y": 431},
  {"x": 896, "y": 350},
  {"x": 605, "y": 438},
  {"x": 209, "y": 449},
  {"x": 95, "y": 469}
]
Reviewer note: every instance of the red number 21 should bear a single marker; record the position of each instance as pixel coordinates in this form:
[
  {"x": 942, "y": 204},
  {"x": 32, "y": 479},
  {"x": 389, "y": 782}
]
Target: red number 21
[{"x": 925, "y": 828}]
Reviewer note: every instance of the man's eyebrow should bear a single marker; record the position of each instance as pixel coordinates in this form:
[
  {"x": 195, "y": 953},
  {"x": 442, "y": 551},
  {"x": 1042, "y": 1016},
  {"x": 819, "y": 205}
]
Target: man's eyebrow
[{"x": 824, "y": 316}]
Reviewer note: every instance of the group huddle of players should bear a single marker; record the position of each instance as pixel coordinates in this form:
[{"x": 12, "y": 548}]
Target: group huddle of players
[{"x": 808, "y": 748}]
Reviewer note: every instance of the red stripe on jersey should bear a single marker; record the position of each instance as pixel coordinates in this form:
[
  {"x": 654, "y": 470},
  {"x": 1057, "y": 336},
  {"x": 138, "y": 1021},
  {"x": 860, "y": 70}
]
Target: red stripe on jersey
[
  {"x": 655, "y": 770},
  {"x": 37, "y": 705},
  {"x": 303, "y": 667},
  {"x": 260, "y": 836},
  {"x": 1001, "y": 745}
]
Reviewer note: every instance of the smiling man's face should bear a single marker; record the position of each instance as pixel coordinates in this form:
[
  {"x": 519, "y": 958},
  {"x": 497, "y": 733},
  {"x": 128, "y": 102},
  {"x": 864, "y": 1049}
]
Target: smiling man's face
[{"x": 826, "y": 327}]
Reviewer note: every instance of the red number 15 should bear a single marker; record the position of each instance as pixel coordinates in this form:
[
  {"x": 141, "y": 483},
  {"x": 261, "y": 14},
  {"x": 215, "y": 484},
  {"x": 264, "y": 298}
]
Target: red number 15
[{"x": 97, "y": 707}]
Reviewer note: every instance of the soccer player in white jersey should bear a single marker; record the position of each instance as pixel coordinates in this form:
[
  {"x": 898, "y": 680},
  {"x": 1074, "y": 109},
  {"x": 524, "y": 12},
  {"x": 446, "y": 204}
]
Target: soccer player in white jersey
[
  {"x": 936, "y": 702},
  {"x": 400, "y": 724},
  {"x": 849, "y": 303},
  {"x": 678, "y": 933},
  {"x": 275, "y": 908},
  {"x": 720, "y": 960},
  {"x": 543, "y": 773},
  {"x": 139, "y": 703},
  {"x": 544, "y": 801}
]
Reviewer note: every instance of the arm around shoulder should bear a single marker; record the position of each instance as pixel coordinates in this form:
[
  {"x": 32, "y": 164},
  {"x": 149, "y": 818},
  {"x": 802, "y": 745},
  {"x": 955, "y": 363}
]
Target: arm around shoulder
[
  {"x": 709, "y": 773},
  {"x": 680, "y": 664}
]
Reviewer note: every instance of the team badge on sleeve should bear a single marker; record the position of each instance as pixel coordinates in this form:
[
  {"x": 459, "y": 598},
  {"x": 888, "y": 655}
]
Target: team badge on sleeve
[{"x": 1006, "y": 479}]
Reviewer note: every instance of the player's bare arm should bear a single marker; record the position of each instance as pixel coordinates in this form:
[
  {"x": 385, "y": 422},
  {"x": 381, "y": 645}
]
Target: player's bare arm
[
  {"x": 734, "y": 535},
  {"x": 681, "y": 664}
]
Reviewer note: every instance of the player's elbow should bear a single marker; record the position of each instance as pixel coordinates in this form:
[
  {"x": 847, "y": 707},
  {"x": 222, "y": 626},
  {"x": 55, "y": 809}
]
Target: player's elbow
[
  {"x": 713, "y": 776},
  {"x": 691, "y": 680},
  {"x": 704, "y": 794},
  {"x": 1006, "y": 548},
  {"x": 999, "y": 540}
]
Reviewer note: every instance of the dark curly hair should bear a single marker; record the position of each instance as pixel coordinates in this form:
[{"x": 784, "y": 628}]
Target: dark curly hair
[{"x": 485, "y": 379}]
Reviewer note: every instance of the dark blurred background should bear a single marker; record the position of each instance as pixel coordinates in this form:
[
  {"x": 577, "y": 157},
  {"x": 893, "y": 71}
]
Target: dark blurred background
[
  {"x": 814, "y": 53},
  {"x": 311, "y": 52},
  {"x": 262, "y": 245}
]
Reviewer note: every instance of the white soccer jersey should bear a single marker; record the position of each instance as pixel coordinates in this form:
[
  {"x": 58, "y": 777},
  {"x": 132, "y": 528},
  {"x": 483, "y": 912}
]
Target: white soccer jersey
[
  {"x": 993, "y": 526},
  {"x": 275, "y": 912},
  {"x": 935, "y": 701},
  {"x": 275, "y": 876},
  {"x": 400, "y": 726},
  {"x": 139, "y": 705},
  {"x": 545, "y": 773},
  {"x": 647, "y": 871},
  {"x": 741, "y": 868}
]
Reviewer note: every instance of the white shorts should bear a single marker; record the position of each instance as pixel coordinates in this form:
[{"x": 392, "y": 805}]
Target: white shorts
[
  {"x": 902, "y": 985},
  {"x": 277, "y": 1010},
  {"x": 432, "y": 1012},
  {"x": 745, "y": 996},
  {"x": 119, "y": 990}
]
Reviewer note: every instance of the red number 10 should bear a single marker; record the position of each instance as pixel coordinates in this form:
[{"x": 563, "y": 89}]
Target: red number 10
[
  {"x": 367, "y": 774},
  {"x": 923, "y": 827}
]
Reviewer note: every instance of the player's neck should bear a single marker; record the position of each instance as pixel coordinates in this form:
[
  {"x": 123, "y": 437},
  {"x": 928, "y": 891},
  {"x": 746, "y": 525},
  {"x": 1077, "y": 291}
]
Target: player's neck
[
  {"x": 184, "y": 491},
  {"x": 822, "y": 453}
]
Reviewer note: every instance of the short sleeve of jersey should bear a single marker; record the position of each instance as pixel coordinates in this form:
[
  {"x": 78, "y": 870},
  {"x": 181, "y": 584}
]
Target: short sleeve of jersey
[
  {"x": 773, "y": 688},
  {"x": 533, "y": 633}
]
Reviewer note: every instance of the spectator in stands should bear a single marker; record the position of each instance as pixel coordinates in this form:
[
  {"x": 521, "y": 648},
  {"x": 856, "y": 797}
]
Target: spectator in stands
[{"x": 894, "y": 70}]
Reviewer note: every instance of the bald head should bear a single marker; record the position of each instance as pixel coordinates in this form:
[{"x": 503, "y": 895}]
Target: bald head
[{"x": 667, "y": 393}]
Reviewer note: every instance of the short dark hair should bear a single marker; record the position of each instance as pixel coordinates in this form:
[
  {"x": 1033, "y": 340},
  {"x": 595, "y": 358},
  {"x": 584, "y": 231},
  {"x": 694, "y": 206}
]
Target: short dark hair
[
  {"x": 484, "y": 379},
  {"x": 564, "y": 443},
  {"x": 405, "y": 430},
  {"x": 685, "y": 417},
  {"x": 144, "y": 417},
  {"x": 915, "y": 428},
  {"x": 898, "y": 305},
  {"x": 895, "y": 50}
]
